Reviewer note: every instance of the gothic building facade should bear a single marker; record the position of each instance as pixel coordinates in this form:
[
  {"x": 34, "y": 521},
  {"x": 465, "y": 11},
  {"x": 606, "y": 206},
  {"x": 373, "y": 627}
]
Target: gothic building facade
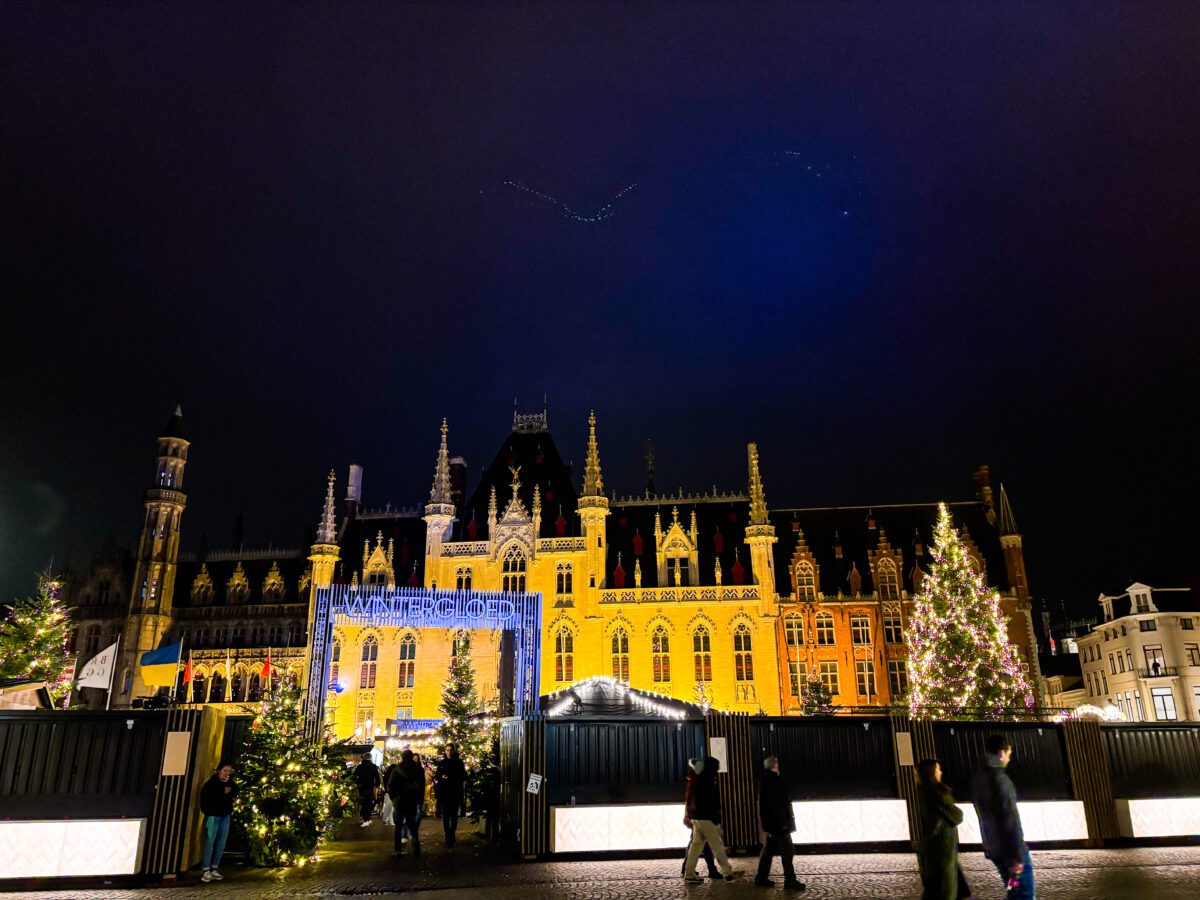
[{"x": 713, "y": 595}]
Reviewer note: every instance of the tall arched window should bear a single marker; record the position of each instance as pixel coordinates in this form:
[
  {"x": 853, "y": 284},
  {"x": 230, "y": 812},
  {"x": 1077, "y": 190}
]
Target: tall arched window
[
  {"x": 335, "y": 662},
  {"x": 620, "y": 655},
  {"x": 462, "y": 578},
  {"x": 825, "y": 635},
  {"x": 660, "y": 653},
  {"x": 702, "y": 651},
  {"x": 564, "y": 655},
  {"x": 743, "y": 655},
  {"x": 889, "y": 584},
  {"x": 370, "y": 655},
  {"x": 793, "y": 631},
  {"x": 806, "y": 583},
  {"x": 514, "y": 571},
  {"x": 408, "y": 661},
  {"x": 563, "y": 580}
]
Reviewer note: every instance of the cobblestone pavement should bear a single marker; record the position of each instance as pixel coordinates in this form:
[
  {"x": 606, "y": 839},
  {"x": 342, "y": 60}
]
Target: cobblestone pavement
[{"x": 361, "y": 865}]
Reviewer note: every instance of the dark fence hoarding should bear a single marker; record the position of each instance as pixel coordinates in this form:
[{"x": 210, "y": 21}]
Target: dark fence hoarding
[
  {"x": 1039, "y": 762},
  {"x": 1153, "y": 760},
  {"x": 828, "y": 758}
]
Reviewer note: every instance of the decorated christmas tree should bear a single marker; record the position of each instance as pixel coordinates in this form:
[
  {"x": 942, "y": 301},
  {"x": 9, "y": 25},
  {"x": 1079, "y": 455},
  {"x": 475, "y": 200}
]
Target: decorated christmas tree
[
  {"x": 818, "y": 699},
  {"x": 960, "y": 660},
  {"x": 34, "y": 635},
  {"x": 701, "y": 696},
  {"x": 463, "y": 722},
  {"x": 291, "y": 791}
]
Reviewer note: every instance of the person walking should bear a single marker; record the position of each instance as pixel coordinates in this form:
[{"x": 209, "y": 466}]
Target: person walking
[
  {"x": 406, "y": 787},
  {"x": 216, "y": 802},
  {"x": 942, "y": 877},
  {"x": 695, "y": 766},
  {"x": 995, "y": 800},
  {"x": 449, "y": 786},
  {"x": 778, "y": 821},
  {"x": 702, "y": 814},
  {"x": 366, "y": 776},
  {"x": 385, "y": 810}
]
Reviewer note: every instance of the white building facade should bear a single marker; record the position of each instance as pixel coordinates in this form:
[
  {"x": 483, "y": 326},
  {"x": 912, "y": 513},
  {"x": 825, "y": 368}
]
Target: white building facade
[{"x": 1144, "y": 656}]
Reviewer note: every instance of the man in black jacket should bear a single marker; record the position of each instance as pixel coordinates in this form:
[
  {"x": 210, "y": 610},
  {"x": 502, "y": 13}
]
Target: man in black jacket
[
  {"x": 216, "y": 802},
  {"x": 995, "y": 800},
  {"x": 406, "y": 787},
  {"x": 366, "y": 776},
  {"x": 449, "y": 788},
  {"x": 702, "y": 814},
  {"x": 778, "y": 821}
]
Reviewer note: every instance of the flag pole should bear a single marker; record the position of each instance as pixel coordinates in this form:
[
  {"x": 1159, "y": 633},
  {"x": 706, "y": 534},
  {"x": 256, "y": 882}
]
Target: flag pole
[{"x": 112, "y": 674}]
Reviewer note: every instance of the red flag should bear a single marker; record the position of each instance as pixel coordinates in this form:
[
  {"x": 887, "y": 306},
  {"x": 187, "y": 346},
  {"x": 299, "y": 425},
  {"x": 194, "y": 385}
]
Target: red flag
[
  {"x": 187, "y": 671},
  {"x": 266, "y": 669}
]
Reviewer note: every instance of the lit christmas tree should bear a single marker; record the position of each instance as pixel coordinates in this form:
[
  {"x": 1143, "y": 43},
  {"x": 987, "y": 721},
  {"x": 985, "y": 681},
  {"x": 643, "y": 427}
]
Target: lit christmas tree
[
  {"x": 818, "y": 699},
  {"x": 960, "y": 660},
  {"x": 463, "y": 723},
  {"x": 34, "y": 637},
  {"x": 291, "y": 792},
  {"x": 701, "y": 696}
]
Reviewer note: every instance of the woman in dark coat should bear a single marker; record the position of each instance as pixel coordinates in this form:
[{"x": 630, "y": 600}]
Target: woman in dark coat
[{"x": 941, "y": 875}]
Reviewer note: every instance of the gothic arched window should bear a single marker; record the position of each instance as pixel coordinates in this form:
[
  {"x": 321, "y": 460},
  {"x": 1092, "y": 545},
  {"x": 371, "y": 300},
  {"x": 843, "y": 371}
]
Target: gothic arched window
[
  {"x": 620, "y": 655},
  {"x": 743, "y": 655},
  {"x": 408, "y": 661},
  {"x": 563, "y": 580},
  {"x": 514, "y": 571},
  {"x": 660, "y": 654},
  {"x": 462, "y": 578},
  {"x": 702, "y": 651},
  {"x": 564, "y": 655},
  {"x": 335, "y": 659},
  {"x": 889, "y": 584},
  {"x": 806, "y": 584},
  {"x": 370, "y": 654}
]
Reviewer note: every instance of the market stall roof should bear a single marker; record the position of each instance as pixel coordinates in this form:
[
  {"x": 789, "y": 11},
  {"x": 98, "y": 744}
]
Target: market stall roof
[{"x": 602, "y": 697}]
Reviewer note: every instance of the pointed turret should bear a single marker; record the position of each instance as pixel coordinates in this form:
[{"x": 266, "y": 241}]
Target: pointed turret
[
  {"x": 1008, "y": 523},
  {"x": 593, "y": 481},
  {"x": 439, "y": 511},
  {"x": 442, "y": 491},
  {"x": 593, "y": 510},
  {"x": 760, "y": 534},
  {"x": 327, "y": 530}
]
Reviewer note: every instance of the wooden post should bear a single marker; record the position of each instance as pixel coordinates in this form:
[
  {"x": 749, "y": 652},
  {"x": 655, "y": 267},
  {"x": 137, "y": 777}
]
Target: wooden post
[{"x": 1091, "y": 780}]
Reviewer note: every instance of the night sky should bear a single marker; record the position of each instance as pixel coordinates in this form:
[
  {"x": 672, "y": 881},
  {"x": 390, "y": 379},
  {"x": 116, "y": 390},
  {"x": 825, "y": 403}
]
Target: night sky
[{"x": 887, "y": 243}]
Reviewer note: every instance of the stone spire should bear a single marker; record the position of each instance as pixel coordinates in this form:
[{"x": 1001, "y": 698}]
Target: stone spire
[
  {"x": 327, "y": 530},
  {"x": 1008, "y": 523},
  {"x": 593, "y": 481},
  {"x": 441, "y": 474},
  {"x": 758, "y": 500}
]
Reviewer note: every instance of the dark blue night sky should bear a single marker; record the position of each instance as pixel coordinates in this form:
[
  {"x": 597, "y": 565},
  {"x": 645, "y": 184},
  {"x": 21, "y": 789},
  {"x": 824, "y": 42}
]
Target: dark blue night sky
[{"x": 888, "y": 242}]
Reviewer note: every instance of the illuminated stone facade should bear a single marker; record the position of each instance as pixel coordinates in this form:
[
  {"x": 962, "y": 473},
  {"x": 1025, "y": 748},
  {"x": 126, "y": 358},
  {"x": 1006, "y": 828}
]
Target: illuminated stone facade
[{"x": 666, "y": 593}]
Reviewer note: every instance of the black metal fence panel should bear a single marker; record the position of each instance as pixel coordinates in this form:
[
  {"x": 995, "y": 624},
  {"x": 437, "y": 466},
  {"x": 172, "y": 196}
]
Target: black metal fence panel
[
  {"x": 828, "y": 758},
  {"x": 1039, "y": 762},
  {"x": 1153, "y": 760},
  {"x": 79, "y": 764},
  {"x": 619, "y": 761},
  {"x": 237, "y": 729}
]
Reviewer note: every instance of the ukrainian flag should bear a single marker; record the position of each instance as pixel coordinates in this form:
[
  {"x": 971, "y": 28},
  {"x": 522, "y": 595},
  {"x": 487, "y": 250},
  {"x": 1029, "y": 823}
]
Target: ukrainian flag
[{"x": 160, "y": 667}]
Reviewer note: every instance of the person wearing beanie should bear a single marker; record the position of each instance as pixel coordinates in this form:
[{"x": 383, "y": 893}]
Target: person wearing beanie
[{"x": 703, "y": 815}]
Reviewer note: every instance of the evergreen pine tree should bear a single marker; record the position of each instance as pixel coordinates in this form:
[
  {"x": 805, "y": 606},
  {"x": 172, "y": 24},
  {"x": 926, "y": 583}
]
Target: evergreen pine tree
[
  {"x": 291, "y": 791},
  {"x": 818, "y": 699},
  {"x": 462, "y": 720},
  {"x": 34, "y": 636},
  {"x": 960, "y": 660}
]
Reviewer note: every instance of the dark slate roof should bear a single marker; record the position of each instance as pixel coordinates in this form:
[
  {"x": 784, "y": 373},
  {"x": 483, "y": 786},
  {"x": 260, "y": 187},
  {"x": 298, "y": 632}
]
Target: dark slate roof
[
  {"x": 540, "y": 464},
  {"x": 720, "y": 522},
  {"x": 293, "y": 564},
  {"x": 174, "y": 426},
  {"x": 908, "y": 528},
  {"x": 406, "y": 528}
]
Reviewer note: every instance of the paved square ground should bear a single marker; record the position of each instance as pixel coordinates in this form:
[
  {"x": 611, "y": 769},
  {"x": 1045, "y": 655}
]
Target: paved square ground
[{"x": 361, "y": 864}]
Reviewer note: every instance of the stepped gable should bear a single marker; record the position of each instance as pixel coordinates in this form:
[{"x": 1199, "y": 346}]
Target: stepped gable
[
  {"x": 271, "y": 575},
  {"x": 403, "y": 527},
  {"x": 849, "y": 526},
  {"x": 531, "y": 447},
  {"x": 720, "y": 523}
]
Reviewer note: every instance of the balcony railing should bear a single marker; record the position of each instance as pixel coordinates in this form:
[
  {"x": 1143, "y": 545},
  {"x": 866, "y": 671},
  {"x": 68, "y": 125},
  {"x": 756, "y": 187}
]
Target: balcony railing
[{"x": 1160, "y": 672}]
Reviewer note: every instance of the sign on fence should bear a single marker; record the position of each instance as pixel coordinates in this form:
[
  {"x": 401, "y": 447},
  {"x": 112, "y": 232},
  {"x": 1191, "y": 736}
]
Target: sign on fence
[
  {"x": 535, "y": 784},
  {"x": 718, "y": 750}
]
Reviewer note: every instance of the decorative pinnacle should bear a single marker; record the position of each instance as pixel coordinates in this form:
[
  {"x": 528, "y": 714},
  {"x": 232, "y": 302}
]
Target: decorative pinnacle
[
  {"x": 1008, "y": 523},
  {"x": 593, "y": 481},
  {"x": 492, "y": 505},
  {"x": 441, "y": 473},
  {"x": 758, "y": 501},
  {"x": 327, "y": 530}
]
